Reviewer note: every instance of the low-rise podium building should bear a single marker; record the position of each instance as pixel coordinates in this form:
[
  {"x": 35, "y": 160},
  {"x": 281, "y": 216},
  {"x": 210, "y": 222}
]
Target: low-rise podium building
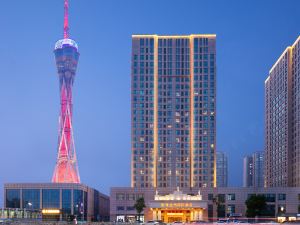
[
  {"x": 58, "y": 201},
  {"x": 200, "y": 204}
]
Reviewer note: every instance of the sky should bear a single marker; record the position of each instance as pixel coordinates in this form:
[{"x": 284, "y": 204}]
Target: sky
[{"x": 251, "y": 35}]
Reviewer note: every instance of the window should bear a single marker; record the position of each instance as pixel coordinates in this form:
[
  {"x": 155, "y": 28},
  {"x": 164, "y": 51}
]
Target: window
[
  {"x": 120, "y": 196},
  {"x": 66, "y": 202},
  {"x": 50, "y": 198},
  {"x": 78, "y": 202},
  {"x": 230, "y": 210},
  {"x": 210, "y": 197},
  {"x": 231, "y": 197},
  {"x": 13, "y": 198},
  {"x": 130, "y": 208},
  {"x": 281, "y": 197},
  {"x": 130, "y": 197},
  {"x": 270, "y": 197},
  {"x": 31, "y": 198},
  {"x": 139, "y": 196},
  {"x": 120, "y": 208}
]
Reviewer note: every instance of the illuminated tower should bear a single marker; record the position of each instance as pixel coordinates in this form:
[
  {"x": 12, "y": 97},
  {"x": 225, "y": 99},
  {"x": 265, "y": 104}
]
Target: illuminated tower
[{"x": 66, "y": 55}]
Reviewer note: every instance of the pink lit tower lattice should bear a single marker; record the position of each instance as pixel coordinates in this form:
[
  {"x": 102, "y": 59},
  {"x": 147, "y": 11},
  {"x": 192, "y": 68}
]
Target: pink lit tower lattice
[{"x": 66, "y": 56}]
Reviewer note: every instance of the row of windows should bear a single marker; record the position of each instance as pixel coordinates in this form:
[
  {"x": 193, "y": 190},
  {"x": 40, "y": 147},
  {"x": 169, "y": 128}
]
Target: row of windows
[
  {"x": 220, "y": 198},
  {"x": 128, "y": 208},
  {"x": 50, "y": 199},
  {"x": 123, "y": 196}
]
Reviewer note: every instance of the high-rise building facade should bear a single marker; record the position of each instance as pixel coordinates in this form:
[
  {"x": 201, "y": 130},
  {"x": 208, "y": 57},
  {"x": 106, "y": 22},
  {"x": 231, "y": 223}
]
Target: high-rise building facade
[
  {"x": 222, "y": 169},
  {"x": 66, "y": 55},
  {"x": 253, "y": 170},
  {"x": 282, "y": 120},
  {"x": 173, "y": 111},
  {"x": 248, "y": 171}
]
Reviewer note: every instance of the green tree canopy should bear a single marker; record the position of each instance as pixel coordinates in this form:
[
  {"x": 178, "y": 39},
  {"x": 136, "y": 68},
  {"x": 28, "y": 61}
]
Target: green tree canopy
[
  {"x": 256, "y": 205},
  {"x": 139, "y": 206}
]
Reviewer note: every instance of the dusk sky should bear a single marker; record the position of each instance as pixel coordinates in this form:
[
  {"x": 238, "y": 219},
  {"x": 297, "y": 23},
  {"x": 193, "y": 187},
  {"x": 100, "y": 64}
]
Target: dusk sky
[{"x": 251, "y": 35}]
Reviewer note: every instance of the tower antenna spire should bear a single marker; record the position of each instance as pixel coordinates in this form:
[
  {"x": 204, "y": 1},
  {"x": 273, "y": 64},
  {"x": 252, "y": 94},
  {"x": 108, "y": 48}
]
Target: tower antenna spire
[{"x": 66, "y": 19}]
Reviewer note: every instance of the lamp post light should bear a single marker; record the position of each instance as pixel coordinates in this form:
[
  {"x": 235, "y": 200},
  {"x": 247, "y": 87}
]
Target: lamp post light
[{"x": 29, "y": 204}]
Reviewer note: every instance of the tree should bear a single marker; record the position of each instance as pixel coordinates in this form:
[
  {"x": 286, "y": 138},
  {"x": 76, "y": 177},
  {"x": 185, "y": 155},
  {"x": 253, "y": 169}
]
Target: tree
[
  {"x": 256, "y": 205},
  {"x": 139, "y": 206},
  {"x": 219, "y": 200}
]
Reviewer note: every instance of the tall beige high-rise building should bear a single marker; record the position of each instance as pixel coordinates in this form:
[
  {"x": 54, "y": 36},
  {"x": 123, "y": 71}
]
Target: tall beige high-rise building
[
  {"x": 282, "y": 120},
  {"x": 173, "y": 111}
]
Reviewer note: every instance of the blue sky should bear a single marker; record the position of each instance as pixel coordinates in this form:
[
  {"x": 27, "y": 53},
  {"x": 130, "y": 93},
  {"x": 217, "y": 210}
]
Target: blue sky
[{"x": 251, "y": 35}]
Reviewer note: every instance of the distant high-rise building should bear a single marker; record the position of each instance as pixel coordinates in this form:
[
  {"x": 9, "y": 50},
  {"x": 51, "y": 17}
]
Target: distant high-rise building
[
  {"x": 173, "y": 111},
  {"x": 253, "y": 170},
  {"x": 282, "y": 120},
  {"x": 222, "y": 169},
  {"x": 248, "y": 171},
  {"x": 258, "y": 169}
]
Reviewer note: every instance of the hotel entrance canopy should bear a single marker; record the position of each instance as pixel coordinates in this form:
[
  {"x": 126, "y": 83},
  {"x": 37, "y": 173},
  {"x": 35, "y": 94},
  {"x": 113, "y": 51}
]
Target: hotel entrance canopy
[{"x": 178, "y": 207}]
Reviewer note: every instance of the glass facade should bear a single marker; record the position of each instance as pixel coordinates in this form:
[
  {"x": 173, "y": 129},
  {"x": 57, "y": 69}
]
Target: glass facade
[
  {"x": 173, "y": 111},
  {"x": 96, "y": 206},
  {"x": 78, "y": 207},
  {"x": 66, "y": 202},
  {"x": 31, "y": 198},
  {"x": 51, "y": 198},
  {"x": 13, "y": 199},
  {"x": 59, "y": 201}
]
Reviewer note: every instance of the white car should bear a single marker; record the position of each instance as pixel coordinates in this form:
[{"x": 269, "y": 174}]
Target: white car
[
  {"x": 178, "y": 223},
  {"x": 154, "y": 222}
]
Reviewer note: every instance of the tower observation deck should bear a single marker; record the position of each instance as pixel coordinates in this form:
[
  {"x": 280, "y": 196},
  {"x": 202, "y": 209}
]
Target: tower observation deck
[{"x": 66, "y": 56}]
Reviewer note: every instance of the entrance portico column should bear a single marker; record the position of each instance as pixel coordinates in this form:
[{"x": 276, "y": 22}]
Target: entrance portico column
[
  {"x": 159, "y": 214},
  {"x": 201, "y": 214},
  {"x": 196, "y": 215},
  {"x": 154, "y": 214}
]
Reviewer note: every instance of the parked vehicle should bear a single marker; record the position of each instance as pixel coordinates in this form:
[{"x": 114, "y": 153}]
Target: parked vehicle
[
  {"x": 178, "y": 223},
  {"x": 154, "y": 222}
]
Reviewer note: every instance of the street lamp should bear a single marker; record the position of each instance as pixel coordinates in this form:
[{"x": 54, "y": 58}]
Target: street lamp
[{"x": 30, "y": 209}]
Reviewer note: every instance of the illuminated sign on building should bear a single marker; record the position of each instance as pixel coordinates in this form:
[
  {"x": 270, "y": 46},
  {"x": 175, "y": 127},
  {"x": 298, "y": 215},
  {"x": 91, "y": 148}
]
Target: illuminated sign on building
[
  {"x": 176, "y": 205},
  {"x": 178, "y": 200},
  {"x": 179, "y": 196},
  {"x": 50, "y": 211}
]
